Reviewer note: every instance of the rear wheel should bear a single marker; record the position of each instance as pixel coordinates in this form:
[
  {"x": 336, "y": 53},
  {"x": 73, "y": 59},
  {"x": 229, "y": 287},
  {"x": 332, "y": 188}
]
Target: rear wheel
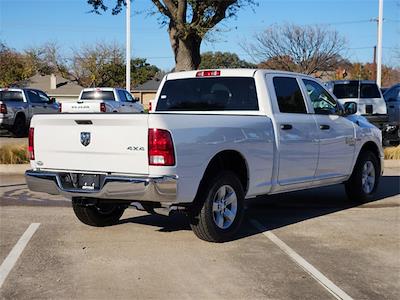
[
  {"x": 19, "y": 128},
  {"x": 99, "y": 215},
  {"x": 365, "y": 178},
  {"x": 221, "y": 213}
]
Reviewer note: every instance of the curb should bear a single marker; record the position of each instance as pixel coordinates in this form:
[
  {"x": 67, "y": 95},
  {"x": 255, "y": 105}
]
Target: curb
[
  {"x": 392, "y": 163},
  {"x": 14, "y": 169}
]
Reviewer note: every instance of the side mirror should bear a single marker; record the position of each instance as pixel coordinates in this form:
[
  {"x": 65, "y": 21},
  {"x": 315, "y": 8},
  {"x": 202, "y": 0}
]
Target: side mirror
[
  {"x": 136, "y": 99},
  {"x": 350, "y": 108},
  {"x": 52, "y": 100}
]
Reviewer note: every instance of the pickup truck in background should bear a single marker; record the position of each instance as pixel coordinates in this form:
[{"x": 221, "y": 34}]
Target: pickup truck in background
[
  {"x": 17, "y": 106},
  {"x": 366, "y": 94},
  {"x": 96, "y": 100},
  {"x": 213, "y": 139}
]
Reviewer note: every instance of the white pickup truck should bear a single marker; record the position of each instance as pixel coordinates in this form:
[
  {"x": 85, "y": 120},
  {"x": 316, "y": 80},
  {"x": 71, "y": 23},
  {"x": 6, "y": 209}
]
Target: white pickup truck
[
  {"x": 102, "y": 99},
  {"x": 213, "y": 139}
]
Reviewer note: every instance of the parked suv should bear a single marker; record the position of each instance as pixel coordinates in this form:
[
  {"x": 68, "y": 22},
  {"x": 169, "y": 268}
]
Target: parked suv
[
  {"x": 391, "y": 131},
  {"x": 17, "y": 106},
  {"x": 102, "y": 99},
  {"x": 366, "y": 94}
]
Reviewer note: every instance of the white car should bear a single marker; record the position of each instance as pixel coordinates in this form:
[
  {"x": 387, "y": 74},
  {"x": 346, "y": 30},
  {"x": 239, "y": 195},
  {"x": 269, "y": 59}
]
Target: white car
[
  {"x": 96, "y": 100},
  {"x": 213, "y": 139}
]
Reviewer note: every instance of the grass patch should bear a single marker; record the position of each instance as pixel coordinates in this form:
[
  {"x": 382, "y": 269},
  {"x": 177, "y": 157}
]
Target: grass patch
[
  {"x": 14, "y": 154},
  {"x": 392, "y": 152}
]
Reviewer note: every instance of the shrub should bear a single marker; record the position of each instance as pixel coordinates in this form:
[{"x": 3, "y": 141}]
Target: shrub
[
  {"x": 392, "y": 152},
  {"x": 14, "y": 154}
]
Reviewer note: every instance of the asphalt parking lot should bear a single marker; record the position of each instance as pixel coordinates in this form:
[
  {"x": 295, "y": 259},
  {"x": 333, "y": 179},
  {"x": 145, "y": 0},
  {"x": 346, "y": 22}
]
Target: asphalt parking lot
[{"x": 356, "y": 247}]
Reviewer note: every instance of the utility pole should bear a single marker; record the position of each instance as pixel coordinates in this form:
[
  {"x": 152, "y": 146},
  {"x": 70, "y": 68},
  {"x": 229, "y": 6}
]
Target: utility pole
[
  {"x": 374, "y": 64},
  {"x": 128, "y": 45},
  {"x": 379, "y": 45}
]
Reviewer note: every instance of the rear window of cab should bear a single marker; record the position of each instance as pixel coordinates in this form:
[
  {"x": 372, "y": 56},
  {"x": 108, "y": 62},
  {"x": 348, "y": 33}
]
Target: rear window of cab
[
  {"x": 208, "y": 94},
  {"x": 11, "y": 96},
  {"x": 98, "y": 95}
]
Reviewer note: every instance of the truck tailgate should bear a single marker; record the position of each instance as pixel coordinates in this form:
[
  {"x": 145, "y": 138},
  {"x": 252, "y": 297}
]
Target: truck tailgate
[
  {"x": 91, "y": 106},
  {"x": 92, "y": 142}
]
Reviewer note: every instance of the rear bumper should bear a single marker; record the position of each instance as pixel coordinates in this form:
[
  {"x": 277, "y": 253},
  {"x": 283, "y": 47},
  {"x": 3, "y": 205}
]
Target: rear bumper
[{"x": 153, "y": 189}]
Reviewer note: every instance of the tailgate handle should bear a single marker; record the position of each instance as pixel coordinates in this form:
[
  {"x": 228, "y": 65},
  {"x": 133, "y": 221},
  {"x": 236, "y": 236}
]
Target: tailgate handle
[{"x": 84, "y": 122}]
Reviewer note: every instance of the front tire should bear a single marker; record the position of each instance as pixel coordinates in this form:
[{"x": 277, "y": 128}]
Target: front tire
[
  {"x": 221, "y": 211},
  {"x": 365, "y": 178},
  {"x": 98, "y": 215}
]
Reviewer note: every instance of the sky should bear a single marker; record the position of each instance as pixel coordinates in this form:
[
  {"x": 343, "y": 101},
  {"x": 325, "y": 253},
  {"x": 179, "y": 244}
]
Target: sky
[{"x": 31, "y": 23}]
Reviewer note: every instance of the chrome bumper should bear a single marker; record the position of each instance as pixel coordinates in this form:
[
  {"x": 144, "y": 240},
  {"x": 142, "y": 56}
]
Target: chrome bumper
[{"x": 154, "y": 189}]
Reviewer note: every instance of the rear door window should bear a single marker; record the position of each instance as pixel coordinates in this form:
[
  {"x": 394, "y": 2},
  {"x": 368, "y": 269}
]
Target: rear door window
[
  {"x": 121, "y": 95},
  {"x": 213, "y": 94},
  {"x": 289, "y": 96},
  {"x": 98, "y": 95},
  {"x": 11, "y": 96},
  {"x": 34, "y": 97},
  {"x": 369, "y": 90}
]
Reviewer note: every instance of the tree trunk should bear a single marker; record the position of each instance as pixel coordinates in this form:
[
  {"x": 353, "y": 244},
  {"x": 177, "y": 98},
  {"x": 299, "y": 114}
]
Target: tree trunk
[{"x": 186, "y": 50}]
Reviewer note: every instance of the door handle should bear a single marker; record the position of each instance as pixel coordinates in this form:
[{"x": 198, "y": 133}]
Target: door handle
[
  {"x": 33, "y": 105},
  {"x": 122, "y": 104},
  {"x": 324, "y": 127},
  {"x": 286, "y": 126}
]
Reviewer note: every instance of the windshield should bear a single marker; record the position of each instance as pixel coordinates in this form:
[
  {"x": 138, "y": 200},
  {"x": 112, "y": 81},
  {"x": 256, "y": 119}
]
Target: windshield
[
  {"x": 369, "y": 90},
  {"x": 346, "y": 90},
  {"x": 98, "y": 95},
  {"x": 215, "y": 93}
]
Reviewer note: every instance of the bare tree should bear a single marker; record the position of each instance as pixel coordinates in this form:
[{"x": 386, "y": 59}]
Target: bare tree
[
  {"x": 103, "y": 64},
  {"x": 304, "y": 49},
  {"x": 188, "y": 22},
  {"x": 47, "y": 59}
]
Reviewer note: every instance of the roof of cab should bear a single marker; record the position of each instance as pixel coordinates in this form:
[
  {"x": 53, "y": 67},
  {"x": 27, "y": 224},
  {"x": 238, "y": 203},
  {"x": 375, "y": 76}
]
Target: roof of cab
[
  {"x": 99, "y": 89},
  {"x": 230, "y": 73}
]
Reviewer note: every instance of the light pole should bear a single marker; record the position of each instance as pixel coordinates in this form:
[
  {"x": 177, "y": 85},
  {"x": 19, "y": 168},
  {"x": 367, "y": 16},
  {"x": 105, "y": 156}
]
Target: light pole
[
  {"x": 128, "y": 45},
  {"x": 379, "y": 46}
]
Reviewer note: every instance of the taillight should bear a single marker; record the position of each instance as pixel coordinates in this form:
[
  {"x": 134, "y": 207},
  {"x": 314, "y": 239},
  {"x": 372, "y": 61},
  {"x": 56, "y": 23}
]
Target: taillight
[
  {"x": 208, "y": 73},
  {"x": 102, "y": 107},
  {"x": 31, "y": 146},
  {"x": 3, "y": 109},
  {"x": 60, "y": 107},
  {"x": 161, "y": 148}
]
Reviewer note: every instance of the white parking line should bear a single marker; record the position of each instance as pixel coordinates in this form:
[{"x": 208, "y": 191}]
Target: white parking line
[
  {"x": 16, "y": 251},
  {"x": 310, "y": 269}
]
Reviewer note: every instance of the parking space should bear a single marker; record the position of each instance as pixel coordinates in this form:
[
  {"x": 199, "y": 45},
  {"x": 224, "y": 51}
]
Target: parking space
[{"x": 356, "y": 247}]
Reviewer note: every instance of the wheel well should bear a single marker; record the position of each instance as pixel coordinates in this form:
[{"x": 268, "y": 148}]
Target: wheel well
[
  {"x": 20, "y": 115},
  {"x": 371, "y": 146},
  {"x": 229, "y": 160}
]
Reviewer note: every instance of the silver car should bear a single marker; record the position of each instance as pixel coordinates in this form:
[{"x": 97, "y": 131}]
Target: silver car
[{"x": 17, "y": 106}]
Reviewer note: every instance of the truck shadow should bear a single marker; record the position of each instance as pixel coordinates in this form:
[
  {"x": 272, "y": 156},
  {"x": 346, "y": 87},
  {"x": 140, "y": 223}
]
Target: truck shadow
[{"x": 281, "y": 210}]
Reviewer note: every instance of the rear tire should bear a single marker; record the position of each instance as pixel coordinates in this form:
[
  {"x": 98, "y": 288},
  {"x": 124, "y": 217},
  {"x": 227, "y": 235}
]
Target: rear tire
[
  {"x": 364, "y": 180},
  {"x": 98, "y": 215},
  {"x": 19, "y": 128},
  {"x": 220, "y": 208}
]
